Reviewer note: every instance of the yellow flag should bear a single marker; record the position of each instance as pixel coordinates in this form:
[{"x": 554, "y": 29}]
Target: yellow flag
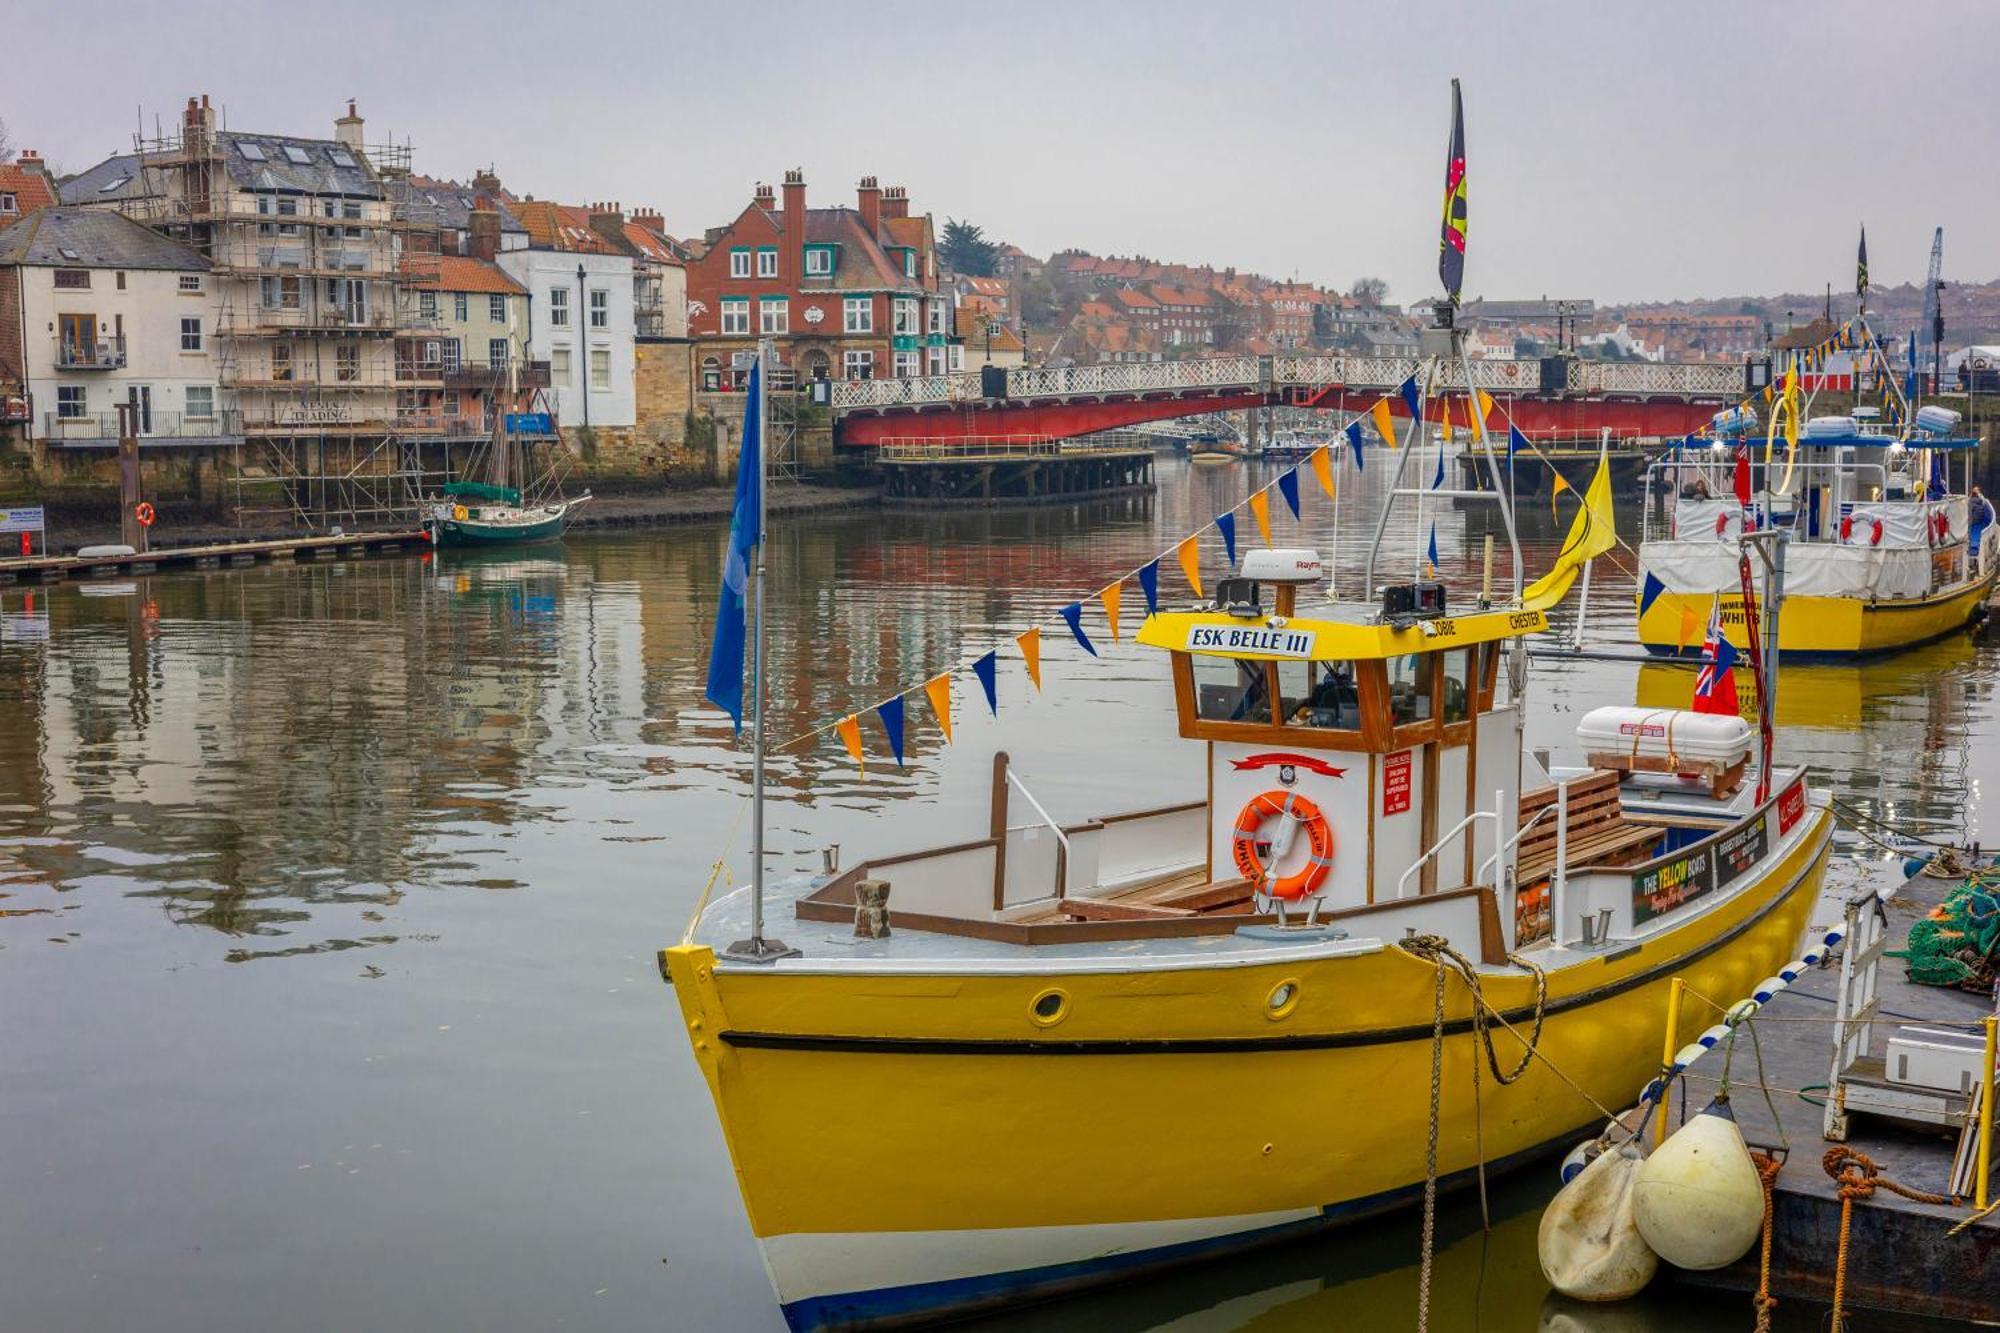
[
  {"x": 1030, "y": 641},
  {"x": 1689, "y": 624},
  {"x": 1385, "y": 422},
  {"x": 1556, "y": 488},
  {"x": 1260, "y": 509},
  {"x": 1485, "y": 409},
  {"x": 1592, "y": 532},
  {"x": 1109, "y": 596},
  {"x": 1322, "y": 466},
  {"x": 938, "y": 691},
  {"x": 1189, "y": 552},
  {"x": 1445, "y": 434},
  {"x": 850, "y": 736}
]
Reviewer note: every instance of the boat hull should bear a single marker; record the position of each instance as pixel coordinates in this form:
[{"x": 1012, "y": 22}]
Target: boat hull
[
  {"x": 1824, "y": 628},
  {"x": 913, "y": 1144}
]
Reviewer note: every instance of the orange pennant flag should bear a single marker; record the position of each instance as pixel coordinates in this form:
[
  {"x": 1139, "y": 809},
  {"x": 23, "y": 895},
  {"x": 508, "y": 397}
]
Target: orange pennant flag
[
  {"x": 1030, "y": 641},
  {"x": 1688, "y": 624},
  {"x": 1322, "y": 466},
  {"x": 850, "y": 736},
  {"x": 1385, "y": 422},
  {"x": 938, "y": 691},
  {"x": 1485, "y": 407},
  {"x": 1190, "y": 553},
  {"x": 1110, "y": 597},
  {"x": 1445, "y": 435},
  {"x": 1260, "y": 509},
  {"x": 1556, "y": 488}
]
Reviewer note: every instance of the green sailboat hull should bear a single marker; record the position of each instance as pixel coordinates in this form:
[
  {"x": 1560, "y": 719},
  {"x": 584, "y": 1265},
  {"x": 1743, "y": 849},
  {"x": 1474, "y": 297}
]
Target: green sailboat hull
[{"x": 471, "y": 532}]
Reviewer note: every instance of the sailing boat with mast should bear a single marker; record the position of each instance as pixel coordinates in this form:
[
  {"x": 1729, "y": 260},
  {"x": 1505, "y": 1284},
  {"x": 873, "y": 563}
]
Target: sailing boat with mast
[
  {"x": 519, "y": 501},
  {"x": 1069, "y": 1053}
]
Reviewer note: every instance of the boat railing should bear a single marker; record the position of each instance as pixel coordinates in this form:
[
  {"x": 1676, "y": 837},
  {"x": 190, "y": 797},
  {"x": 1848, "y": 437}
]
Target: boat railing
[
  {"x": 1499, "y": 803},
  {"x": 1062, "y": 838},
  {"x": 1669, "y": 477}
]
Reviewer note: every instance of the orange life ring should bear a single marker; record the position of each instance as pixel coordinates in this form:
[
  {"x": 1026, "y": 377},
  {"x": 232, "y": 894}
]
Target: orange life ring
[
  {"x": 144, "y": 513},
  {"x": 1319, "y": 838}
]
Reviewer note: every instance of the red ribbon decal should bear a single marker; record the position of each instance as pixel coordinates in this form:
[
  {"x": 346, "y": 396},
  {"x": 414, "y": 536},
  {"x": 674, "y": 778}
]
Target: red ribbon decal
[{"x": 1319, "y": 766}]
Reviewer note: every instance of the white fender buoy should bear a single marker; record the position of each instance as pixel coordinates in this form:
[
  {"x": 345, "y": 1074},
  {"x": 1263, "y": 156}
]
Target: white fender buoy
[
  {"x": 1589, "y": 1242},
  {"x": 1699, "y": 1202}
]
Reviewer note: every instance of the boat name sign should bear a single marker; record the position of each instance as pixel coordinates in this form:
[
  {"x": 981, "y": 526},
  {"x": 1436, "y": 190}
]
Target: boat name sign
[{"x": 1251, "y": 639}]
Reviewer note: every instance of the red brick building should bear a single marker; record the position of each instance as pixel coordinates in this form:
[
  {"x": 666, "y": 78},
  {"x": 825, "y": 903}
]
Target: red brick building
[{"x": 849, "y": 293}]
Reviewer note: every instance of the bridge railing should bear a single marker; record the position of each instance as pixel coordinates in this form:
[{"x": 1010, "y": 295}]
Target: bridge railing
[
  {"x": 1683, "y": 377},
  {"x": 922, "y": 389}
]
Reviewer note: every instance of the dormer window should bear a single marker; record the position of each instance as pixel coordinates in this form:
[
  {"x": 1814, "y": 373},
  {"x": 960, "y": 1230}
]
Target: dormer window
[
  {"x": 819, "y": 261},
  {"x": 9, "y": 205},
  {"x": 909, "y": 263}
]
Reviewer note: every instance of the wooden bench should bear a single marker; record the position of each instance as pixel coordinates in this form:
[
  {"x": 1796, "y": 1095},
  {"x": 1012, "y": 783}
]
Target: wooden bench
[{"x": 1598, "y": 831}]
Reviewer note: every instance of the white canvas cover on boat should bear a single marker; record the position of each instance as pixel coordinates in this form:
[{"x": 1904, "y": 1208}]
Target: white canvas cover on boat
[
  {"x": 1812, "y": 569},
  {"x": 1656, "y": 733}
]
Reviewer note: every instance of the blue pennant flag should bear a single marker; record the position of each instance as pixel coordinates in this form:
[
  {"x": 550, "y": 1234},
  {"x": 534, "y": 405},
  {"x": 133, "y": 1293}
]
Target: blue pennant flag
[
  {"x": 1149, "y": 583},
  {"x": 1073, "y": 613},
  {"x": 1516, "y": 441},
  {"x": 1434, "y": 550},
  {"x": 725, "y": 655},
  {"x": 1937, "y": 486},
  {"x": 1288, "y": 486},
  {"x": 1650, "y": 593},
  {"x": 1354, "y": 444},
  {"x": 1226, "y": 525},
  {"x": 1438, "y": 480},
  {"x": 891, "y": 713},
  {"x": 987, "y": 669},
  {"x": 1411, "y": 400}
]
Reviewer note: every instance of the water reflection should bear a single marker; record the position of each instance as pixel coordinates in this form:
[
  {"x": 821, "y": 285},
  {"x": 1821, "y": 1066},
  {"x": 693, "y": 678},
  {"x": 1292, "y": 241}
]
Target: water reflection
[{"x": 486, "y": 786}]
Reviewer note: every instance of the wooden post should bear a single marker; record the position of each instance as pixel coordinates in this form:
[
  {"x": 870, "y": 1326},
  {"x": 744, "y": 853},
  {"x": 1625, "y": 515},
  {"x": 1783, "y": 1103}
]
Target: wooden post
[
  {"x": 1986, "y": 1115},
  {"x": 996, "y": 829},
  {"x": 130, "y": 529}
]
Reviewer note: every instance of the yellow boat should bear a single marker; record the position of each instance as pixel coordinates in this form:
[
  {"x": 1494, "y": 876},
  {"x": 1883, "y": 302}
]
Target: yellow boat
[
  {"x": 1883, "y": 554},
  {"x": 1084, "y": 1050}
]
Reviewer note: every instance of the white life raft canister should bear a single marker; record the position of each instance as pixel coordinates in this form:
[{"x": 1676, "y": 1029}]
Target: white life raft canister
[
  {"x": 1656, "y": 733},
  {"x": 1699, "y": 1202}
]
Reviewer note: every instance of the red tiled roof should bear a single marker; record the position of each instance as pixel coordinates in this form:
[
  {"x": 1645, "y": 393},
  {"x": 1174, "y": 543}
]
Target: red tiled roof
[
  {"x": 1136, "y": 300},
  {"x": 29, "y": 189},
  {"x": 461, "y": 273},
  {"x": 972, "y": 324},
  {"x": 649, "y": 244},
  {"x": 553, "y": 226},
  {"x": 863, "y": 263},
  {"x": 906, "y": 231}
]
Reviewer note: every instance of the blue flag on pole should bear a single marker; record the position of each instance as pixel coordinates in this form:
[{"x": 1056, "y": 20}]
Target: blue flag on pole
[
  {"x": 1516, "y": 441},
  {"x": 1149, "y": 583},
  {"x": 1073, "y": 614},
  {"x": 987, "y": 668},
  {"x": 1434, "y": 550},
  {"x": 725, "y": 655},
  {"x": 1354, "y": 445},
  {"x": 1226, "y": 525},
  {"x": 1411, "y": 399},
  {"x": 1438, "y": 480},
  {"x": 1288, "y": 486}
]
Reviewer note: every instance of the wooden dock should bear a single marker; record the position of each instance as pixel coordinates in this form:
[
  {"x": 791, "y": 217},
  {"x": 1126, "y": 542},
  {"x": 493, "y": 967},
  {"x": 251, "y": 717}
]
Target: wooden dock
[
  {"x": 1901, "y": 1256},
  {"x": 977, "y": 473},
  {"x": 213, "y": 555}
]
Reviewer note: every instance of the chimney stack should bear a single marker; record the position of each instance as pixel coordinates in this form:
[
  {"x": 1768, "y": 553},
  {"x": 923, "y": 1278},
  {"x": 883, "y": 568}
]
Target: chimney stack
[
  {"x": 483, "y": 229},
  {"x": 895, "y": 202},
  {"x": 31, "y": 162},
  {"x": 650, "y": 219},
  {"x": 197, "y": 123},
  {"x": 347, "y": 129},
  {"x": 792, "y": 259},
  {"x": 869, "y": 198},
  {"x": 767, "y": 198},
  {"x": 486, "y": 180},
  {"x": 608, "y": 221}
]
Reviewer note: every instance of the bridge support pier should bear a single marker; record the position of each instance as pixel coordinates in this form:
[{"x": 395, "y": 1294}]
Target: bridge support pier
[{"x": 1014, "y": 477}]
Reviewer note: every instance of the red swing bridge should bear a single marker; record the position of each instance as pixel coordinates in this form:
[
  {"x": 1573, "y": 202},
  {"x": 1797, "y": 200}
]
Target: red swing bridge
[{"x": 1555, "y": 398}]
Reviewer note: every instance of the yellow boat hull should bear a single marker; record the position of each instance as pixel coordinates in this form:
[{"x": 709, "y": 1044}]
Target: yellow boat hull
[
  {"x": 909, "y": 1142},
  {"x": 1817, "y": 626}
]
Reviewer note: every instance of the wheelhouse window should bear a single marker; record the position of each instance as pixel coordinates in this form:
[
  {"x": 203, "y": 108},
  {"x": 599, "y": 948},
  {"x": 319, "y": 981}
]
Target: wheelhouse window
[
  {"x": 1410, "y": 688},
  {"x": 1319, "y": 694},
  {"x": 1459, "y": 685},
  {"x": 1228, "y": 689}
]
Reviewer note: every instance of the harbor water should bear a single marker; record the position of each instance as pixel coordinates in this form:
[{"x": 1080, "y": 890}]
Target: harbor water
[{"x": 330, "y": 892}]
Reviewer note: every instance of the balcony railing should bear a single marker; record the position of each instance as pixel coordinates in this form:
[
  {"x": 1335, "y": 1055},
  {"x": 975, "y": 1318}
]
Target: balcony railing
[
  {"x": 106, "y": 353},
  {"x": 493, "y": 374},
  {"x": 100, "y": 429}
]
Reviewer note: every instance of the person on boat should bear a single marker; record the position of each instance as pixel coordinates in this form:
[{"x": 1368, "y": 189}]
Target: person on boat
[
  {"x": 1696, "y": 489},
  {"x": 1979, "y": 510},
  {"x": 1332, "y": 703}
]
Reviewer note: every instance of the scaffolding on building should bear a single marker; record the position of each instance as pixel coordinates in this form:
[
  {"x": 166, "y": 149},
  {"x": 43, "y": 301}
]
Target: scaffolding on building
[{"x": 316, "y": 296}]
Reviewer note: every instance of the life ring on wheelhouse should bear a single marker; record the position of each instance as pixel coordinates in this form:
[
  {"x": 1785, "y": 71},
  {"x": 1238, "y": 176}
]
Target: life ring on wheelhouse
[{"x": 1306, "y": 881}]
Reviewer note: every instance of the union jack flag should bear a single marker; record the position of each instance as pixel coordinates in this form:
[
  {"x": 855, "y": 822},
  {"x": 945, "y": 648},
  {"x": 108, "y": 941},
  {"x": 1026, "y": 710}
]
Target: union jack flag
[{"x": 1714, "y": 685}]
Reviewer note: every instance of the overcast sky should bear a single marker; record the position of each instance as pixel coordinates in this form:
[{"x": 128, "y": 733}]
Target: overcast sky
[{"x": 1617, "y": 151}]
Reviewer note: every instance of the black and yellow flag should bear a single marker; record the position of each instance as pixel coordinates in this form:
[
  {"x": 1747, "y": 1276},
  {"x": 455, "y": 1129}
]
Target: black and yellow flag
[
  {"x": 1861, "y": 267},
  {"x": 1451, "y": 240}
]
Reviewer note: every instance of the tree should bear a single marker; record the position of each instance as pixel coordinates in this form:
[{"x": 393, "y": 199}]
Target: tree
[
  {"x": 967, "y": 251},
  {"x": 1369, "y": 291}
]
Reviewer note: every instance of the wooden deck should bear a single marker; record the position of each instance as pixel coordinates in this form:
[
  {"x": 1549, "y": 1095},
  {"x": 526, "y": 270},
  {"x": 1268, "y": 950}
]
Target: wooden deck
[{"x": 58, "y": 568}]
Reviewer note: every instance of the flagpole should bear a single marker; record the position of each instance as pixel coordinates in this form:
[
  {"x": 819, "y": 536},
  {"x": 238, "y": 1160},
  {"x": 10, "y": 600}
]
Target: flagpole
[{"x": 758, "y": 949}]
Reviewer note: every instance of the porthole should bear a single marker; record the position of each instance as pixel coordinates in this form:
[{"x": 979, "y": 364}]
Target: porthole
[
  {"x": 1049, "y": 1008},
  {"x": 1284, "y": 998}
]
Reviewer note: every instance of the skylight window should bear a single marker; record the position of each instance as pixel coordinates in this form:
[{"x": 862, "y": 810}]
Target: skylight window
[
  {"x": 255, "y": 152},
  {"x": 118, "y": 184},
  {"x": 68, "y": 253},
  {"x": 341, "y": 157},
  {"x": 297, "y": 155}
]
